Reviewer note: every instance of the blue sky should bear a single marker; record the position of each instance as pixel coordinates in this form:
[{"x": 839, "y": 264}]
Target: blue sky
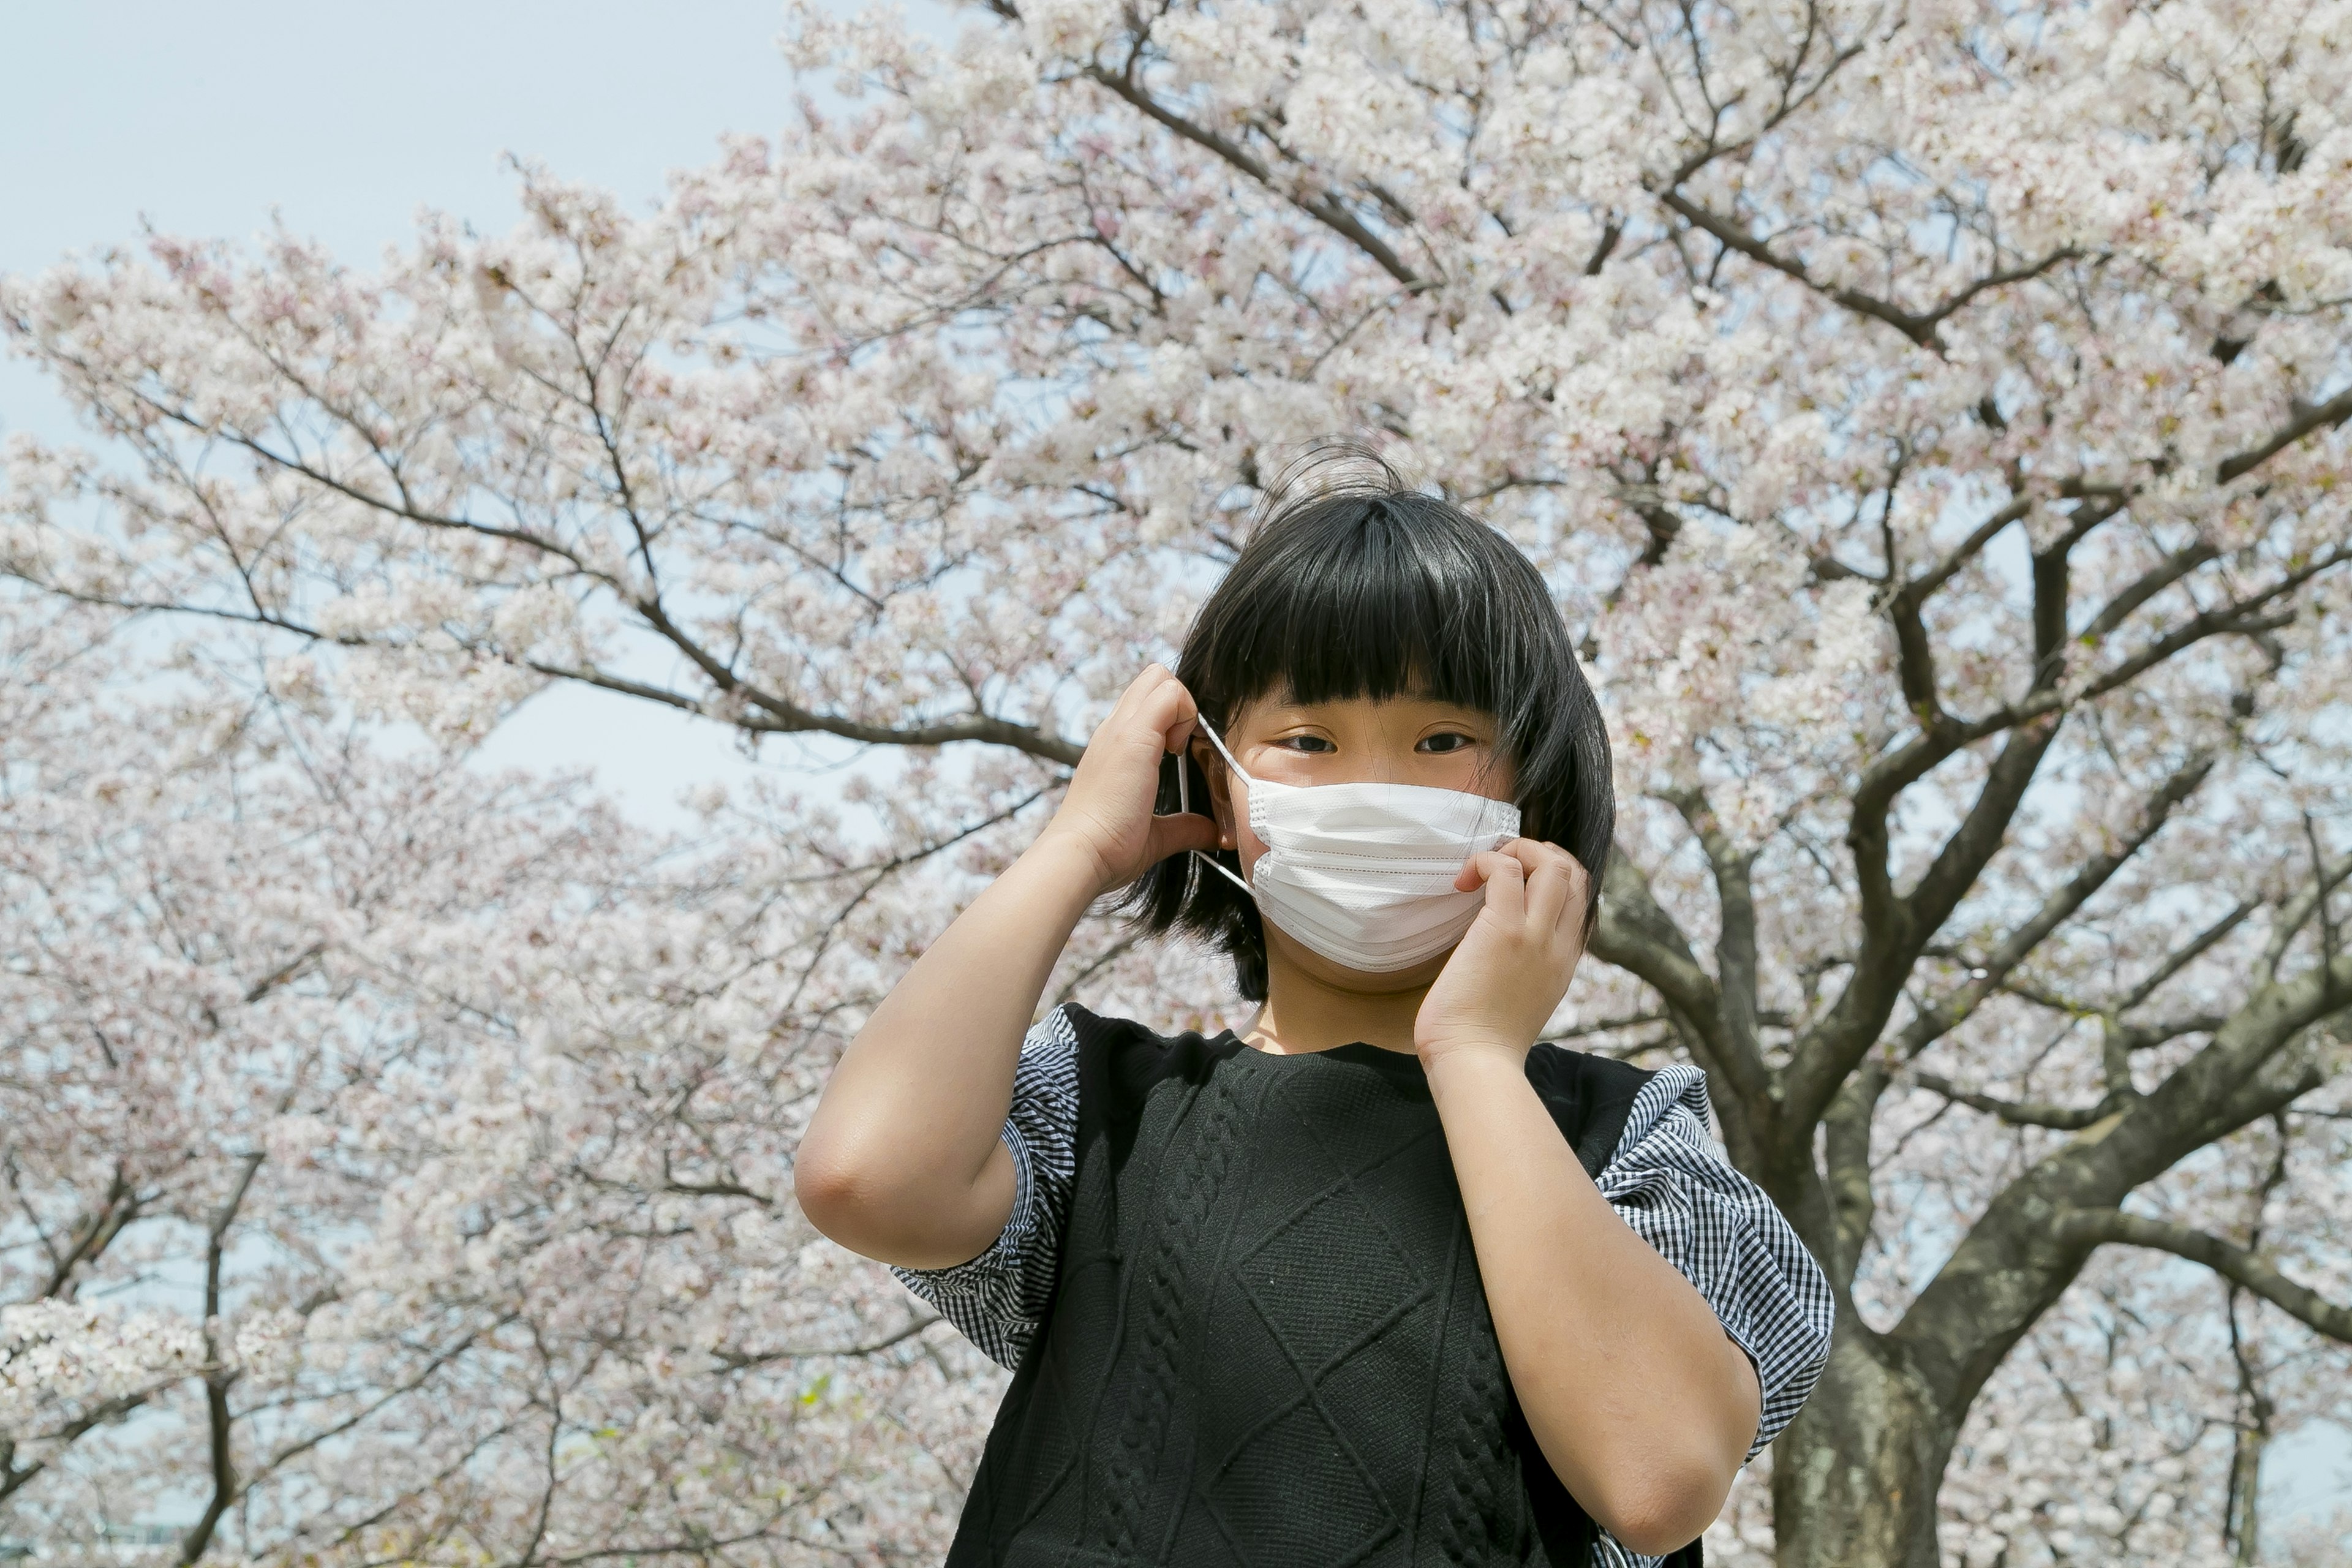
[{"x": 345, "y": 120}]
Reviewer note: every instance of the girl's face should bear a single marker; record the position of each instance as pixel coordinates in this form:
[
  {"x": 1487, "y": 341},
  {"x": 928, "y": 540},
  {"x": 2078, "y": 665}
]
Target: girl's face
[{"x": 1401, "y": 740}]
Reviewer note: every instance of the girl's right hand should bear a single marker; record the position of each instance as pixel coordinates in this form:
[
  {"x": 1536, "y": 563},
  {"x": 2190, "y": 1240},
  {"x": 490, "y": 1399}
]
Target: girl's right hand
[{"x": 1108, "y": 810}]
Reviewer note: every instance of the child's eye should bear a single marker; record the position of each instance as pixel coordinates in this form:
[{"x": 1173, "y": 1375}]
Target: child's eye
[
  {"x": 1448, "y": 742},
  {"x": 1315, "y": 743}
]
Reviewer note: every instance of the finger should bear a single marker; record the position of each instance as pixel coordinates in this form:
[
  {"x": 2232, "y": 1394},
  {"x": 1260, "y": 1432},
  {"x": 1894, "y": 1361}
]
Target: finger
[
  {"x": 1142, "y": 692},
  {"x": 1177, "y": 832},
  {"x": 1155, "y": 705},
  {"x": 1564, "y": 934},
  {"x": 1147, "y": 680},
  {"x": 1126, "y": 714},
  {"x": 1551, "y": 885},
  {"x": 1579, "y": 897},
  {"x": 1167, "y": 709},
  {"x": 1476, "y": 870},
  {"x": 1522, "y": 852},
  {"x": 1178, "y": 736},
  {"x": 1506, "y": 884}
]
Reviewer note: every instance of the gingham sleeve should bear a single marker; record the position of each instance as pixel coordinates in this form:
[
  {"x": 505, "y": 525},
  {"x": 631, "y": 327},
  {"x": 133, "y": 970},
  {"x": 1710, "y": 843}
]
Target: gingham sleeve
[
  {"x": 997, "y": 1298},
  {"x": 1671, "y": 1183}
]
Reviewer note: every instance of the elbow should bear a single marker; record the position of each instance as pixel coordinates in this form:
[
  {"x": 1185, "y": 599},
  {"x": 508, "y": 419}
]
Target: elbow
[
  {"x": 872, "y": 1201},
  {"x": 849, "y": 1187},
  {"x": 828, "y": 1190},
  {"x": 1664, "y": 1507}
]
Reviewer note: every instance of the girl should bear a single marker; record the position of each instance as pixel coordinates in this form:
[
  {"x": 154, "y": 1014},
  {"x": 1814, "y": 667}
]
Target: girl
[{"x": 1379, "y": 1279}]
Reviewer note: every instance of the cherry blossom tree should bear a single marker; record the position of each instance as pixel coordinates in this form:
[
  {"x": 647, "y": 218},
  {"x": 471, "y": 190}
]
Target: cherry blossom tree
[
  {"x": 1932, "y": 415},
  {"x": 398, "y": 1159}
]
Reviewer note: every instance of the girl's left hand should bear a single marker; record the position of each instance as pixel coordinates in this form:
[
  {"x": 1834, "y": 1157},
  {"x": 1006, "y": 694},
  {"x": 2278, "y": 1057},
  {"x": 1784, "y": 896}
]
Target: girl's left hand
[{"x": 1505, "y": 979}]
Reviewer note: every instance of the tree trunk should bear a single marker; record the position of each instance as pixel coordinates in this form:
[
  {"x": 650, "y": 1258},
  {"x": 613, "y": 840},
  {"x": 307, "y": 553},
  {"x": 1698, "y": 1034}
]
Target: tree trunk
[
  {"x": 1854, "y": 1477},
  {"x": 2241, "y": 1523}
]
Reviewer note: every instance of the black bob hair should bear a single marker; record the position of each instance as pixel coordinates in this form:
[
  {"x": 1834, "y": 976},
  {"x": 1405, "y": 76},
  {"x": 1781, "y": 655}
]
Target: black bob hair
[{"x": 1353, "y": 584}]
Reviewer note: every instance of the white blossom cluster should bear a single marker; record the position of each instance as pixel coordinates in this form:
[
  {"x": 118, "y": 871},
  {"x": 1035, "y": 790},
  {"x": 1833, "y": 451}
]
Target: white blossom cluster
[
  {"x": 59, "y": 1360},
  {"x": 427, "y": 1137}
]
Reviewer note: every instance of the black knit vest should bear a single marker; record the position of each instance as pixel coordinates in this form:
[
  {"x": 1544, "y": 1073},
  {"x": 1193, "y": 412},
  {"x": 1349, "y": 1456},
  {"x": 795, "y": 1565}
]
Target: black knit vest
[{"x": 1268, "y": 1344}]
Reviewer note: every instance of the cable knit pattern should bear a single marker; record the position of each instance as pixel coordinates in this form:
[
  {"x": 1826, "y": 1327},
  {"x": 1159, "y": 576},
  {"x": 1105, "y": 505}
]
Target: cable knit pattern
[
  {"x": 1246, "y": 1319},
  {"x": 1477, "y": 1436},
  {"x": 1667, "y": 1178},
  {"x": 1146, "y": 1414}
]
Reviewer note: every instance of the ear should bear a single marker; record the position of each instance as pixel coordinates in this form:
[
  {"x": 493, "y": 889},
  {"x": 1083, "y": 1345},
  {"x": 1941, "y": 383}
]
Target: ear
[{"x": 1221, "y": 794}]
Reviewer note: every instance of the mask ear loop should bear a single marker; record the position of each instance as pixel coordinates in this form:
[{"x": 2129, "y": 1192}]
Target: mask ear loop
[{"x": 1184, "y": 800}]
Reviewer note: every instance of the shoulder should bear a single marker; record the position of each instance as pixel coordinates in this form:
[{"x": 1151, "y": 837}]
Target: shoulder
[
  {"x": 1046, "y": 1084},
  {"x": 1594, "y": 1099},
  {"x": 1119, "y": 1062}
]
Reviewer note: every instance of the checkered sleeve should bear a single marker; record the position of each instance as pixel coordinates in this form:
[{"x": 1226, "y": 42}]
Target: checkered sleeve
[
  {"x": 1671, "y": 1183},
  {"x": 997, "y": 1298},
  {"x": 1668, "y": 1181}
]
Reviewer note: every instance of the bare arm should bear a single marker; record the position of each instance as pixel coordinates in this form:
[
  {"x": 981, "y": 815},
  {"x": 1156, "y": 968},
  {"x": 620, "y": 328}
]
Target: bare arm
[
  {"x": 1642, "y": 1404},
  {"x": 902, "y": 1161}
]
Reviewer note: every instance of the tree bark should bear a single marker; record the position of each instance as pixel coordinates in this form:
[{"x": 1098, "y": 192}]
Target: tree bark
[{"x": 1854, "y": 1477}]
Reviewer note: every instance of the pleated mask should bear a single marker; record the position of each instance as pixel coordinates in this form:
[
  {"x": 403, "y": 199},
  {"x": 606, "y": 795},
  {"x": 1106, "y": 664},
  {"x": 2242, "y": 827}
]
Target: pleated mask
[{"x": 1363, "y": 873}]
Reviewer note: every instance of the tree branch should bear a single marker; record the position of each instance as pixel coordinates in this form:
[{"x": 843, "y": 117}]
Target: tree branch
[
  {"x": 2298, "y": 911},
  {"x": 1895, "y": 929},
  {"x": 1925, "y": 585},
  {"x": 2187, "y": 956},
  {"x": 282, "y": 973},
  {"x": 2094, "y": 1227},
  {"x": 1319, "y": 205},
  {"x": 119, "y": 1209},
  {"x": 53, "y": 1444},
  {"x": 736, "y": 1361},
  {"x": 2321, "y": 417},
  {"x": 1852, "y": 1189},
  {"x": 1734, "y": 948},
  {"x": 1920, "y": 327},
  {"x": 1933, "y": 1022},
  {"x": 2010, "y": 1266},
  {"x": 217, "y": 1417},
  {"x": 2063, "y": 1118},
  {"x": 1639, "y": 937},
  {"x": 2149, "y": 583},
  {"x": 790, "y": 717},
  {"x": 1915, "y": 654}
]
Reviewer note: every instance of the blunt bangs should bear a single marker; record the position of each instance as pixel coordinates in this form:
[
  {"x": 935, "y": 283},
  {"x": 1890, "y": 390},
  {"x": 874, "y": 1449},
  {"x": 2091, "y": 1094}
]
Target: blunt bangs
[
  {"x": 1375, "y": 598},
  {"x": 1366, "y": 589}
]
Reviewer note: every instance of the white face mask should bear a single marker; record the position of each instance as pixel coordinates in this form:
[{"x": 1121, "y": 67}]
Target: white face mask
[{"x": 1363, "y": 873}]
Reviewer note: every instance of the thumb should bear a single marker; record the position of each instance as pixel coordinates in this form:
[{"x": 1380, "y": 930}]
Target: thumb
[{"x": 1179, "y": 831}]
